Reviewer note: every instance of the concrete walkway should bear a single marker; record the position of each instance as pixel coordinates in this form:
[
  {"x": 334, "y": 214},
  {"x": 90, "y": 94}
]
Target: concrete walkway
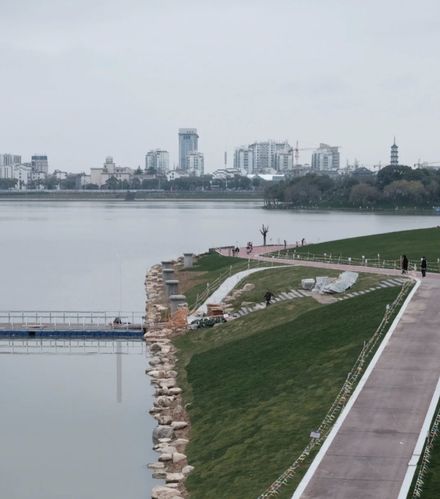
[
  {"x": 376, "y": 442},
  {"x": 224, "y": 289}
]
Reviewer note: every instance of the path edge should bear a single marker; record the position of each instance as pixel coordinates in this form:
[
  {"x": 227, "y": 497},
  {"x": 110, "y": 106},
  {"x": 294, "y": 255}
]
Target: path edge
[{"x": 328, "y": 441}]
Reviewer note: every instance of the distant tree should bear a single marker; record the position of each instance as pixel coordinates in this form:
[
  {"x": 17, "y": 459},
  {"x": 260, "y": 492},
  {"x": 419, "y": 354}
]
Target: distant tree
[
  {"x": 391, "y": 173},
  {"x": 50, "y": 182},
  {"x": 135, "y": 183},
  {"x": 91, "y": 187},
  {"x": 263, "y": 231},
  {"x": 112, "y": 183},
  {"x": 138, "y": 171},
  {"x": 150, "y": 183},
  {"x": 405, "y": 192},
  {"x": 364, "y": 194},
  {"x": 151, "y": 171},
  {"x": 69, "y": 183},
  {"x": 7, "y": 183}
]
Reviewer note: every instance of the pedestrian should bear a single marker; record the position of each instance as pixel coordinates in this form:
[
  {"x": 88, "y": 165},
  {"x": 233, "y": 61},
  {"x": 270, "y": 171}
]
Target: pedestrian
[
  {"x": 237, "y": 250},
  {"x": 285, "y": 244},
  {"x": 404, "y": 264},
  {"x": 268, "y": 297},
  {"x": 423, "y": 266},
  {"x": 303, "y": 241}
]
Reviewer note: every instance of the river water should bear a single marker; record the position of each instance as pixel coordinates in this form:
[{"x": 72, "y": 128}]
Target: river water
[{"x": 74, "y": 420}]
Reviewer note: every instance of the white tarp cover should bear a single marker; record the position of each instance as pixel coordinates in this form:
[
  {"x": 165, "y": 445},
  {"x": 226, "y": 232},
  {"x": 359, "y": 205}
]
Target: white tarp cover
[
  {"x": 342, "y": 283},
  {"x": 308, "y": 284},
  {"x": 321, "y": 282}
]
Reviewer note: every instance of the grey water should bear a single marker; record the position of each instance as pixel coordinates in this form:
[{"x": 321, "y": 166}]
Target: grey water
[{"x": 73, "y": 416}]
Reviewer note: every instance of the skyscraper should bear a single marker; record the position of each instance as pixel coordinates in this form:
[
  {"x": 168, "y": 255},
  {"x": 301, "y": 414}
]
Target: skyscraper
[
  {"x": 39, "y": 164},
  {"x": 266, "y": 155},
  {"x": 394, "y": 154},
  {"x": 158, "y": 159},
  {"x": 325, "y": 158},
  {"x": 188, "y": 142}
]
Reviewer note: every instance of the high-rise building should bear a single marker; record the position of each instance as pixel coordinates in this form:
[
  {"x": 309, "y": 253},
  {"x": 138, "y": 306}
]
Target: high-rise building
[
  {"x": 195, "y": 164},
  {"x": 10, "y": 159},
  {"x": 394, "y": 154},
  {"x": 188, "y": 142},
  {"x": 325, "y": 158},
  {"x": 158, "y": 159},
  {"x": 266, "y": 155},
  {"x": 40, "y": 164},
  {"x": 244, "y": 160}
]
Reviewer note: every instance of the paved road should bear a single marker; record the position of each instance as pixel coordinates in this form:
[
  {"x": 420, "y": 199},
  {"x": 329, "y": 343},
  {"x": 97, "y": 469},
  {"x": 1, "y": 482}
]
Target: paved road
[{"x": 369, "y": 456}]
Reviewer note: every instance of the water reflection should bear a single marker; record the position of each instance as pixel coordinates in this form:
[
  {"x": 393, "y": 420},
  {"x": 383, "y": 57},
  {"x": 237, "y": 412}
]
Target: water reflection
[{"x": 74, "y": 419}]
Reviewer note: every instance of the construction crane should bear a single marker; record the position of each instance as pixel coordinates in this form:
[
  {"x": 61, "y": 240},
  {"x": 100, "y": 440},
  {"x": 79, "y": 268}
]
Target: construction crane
[
  {"x": 296, "y": 150},
  {"x": 426, "y": 164}
]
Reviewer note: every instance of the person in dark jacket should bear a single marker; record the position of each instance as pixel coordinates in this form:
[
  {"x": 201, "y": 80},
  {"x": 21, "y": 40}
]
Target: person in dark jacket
[
  {"x": 404, "y": 264},
  {"x": 423, "y": 266},
  {"x": 268, "y": 297}
]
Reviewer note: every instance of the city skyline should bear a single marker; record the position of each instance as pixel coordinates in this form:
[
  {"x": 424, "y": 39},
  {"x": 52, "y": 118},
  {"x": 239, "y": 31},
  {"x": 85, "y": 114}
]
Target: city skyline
[{"x": 83, "y": 89}]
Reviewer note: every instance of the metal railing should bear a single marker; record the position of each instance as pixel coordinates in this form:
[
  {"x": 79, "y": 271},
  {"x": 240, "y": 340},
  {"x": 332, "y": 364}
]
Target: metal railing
[
  {"x": 214, "y": 285},
  {"x": 69, "y": 318},
  {"x": 71, "y": 346},
  {"x": 317, "y": 437},
  {"x": 426, "y": 457},
  {"x": 378, "y": 261}
]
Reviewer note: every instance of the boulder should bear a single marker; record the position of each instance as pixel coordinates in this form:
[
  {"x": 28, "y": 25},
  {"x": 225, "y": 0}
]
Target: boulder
[
  {"x": 179, "y": 425},
  {"x": 181, "y": 441},
  {"x": 178, "y": 457},
  {"x": 175, "y": 391},
  {"x": 159, "y": 475},
  {"x": 174, "y": 477},
  {"x": 162, "y": 431},
  {"x": 163, "y": 401},
  {"x": 162, "y": 492},
  {"x": 165, "y": 457},
  {"x": 156, "y": 466},
  {"x": 186, "y": 470}
]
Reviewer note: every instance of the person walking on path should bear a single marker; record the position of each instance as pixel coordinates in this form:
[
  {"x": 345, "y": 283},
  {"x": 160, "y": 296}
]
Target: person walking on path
[
  {"x": 404, "y": 264},
  {"x": 285, "y": 244},
  {"x": 268, "y": 297},
  {"x": 423, "y": 266}
]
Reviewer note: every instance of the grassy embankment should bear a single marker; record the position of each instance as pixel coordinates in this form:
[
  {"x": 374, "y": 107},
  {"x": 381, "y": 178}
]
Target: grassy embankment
[
  {"x": 413, "y": 243},
  {"x": 431, "y": 487},
  {"x": 257, "y": 386}
]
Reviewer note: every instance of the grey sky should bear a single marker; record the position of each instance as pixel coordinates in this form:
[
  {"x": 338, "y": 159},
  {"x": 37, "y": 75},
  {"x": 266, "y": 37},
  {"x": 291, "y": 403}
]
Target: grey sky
[{"x": 83, "y": 79}]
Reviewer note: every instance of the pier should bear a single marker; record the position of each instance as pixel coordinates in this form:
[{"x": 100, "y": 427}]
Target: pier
[{"x": 71, "y": 323}]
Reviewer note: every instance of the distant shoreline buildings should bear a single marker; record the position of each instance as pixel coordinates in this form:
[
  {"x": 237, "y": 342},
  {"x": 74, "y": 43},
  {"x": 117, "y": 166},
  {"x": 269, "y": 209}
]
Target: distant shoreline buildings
[{"x": 270, "y": 160}]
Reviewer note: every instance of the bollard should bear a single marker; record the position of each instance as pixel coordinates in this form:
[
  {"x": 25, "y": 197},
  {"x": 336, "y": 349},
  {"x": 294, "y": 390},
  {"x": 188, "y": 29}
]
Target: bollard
[
  {"x": 171, "y": 287},
  {"x": 188, "y": 259},
  {"x": 176, "y": 301},
  {"x": 168, "y": 274}
]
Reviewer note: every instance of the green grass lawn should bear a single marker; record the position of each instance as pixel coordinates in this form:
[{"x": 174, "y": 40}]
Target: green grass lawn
[
  {"x": 413, "y": 243},
  {"x": 257, "y": 386},
  {"x": 278, "y": 280}
]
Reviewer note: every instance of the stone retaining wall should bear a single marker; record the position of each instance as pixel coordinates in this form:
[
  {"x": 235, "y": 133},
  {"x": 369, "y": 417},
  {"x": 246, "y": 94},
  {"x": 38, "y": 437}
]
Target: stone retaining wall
[{"x": 170, "y": 437}]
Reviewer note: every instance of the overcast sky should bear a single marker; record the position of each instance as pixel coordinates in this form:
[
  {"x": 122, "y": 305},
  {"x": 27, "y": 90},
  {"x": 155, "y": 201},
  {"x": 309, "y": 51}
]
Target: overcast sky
[{"x": 83, "y": 79}]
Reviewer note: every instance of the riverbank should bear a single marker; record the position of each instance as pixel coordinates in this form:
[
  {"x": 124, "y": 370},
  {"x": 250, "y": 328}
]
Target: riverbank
[
  {"x": 207, "y": 388},
  {"x": 139, "y": 195}
]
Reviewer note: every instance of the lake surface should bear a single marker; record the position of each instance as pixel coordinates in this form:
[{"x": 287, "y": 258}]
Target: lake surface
[{"x": 72, "y": 427}]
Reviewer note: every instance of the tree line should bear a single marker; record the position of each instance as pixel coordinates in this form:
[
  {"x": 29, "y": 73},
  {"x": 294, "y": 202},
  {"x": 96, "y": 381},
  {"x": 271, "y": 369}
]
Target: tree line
[{"x": 393, "y": 187}]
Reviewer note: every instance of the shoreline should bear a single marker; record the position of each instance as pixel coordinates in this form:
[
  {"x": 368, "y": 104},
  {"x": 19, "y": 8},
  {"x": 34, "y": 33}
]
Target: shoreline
[{"x": 170, "y": 436}]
